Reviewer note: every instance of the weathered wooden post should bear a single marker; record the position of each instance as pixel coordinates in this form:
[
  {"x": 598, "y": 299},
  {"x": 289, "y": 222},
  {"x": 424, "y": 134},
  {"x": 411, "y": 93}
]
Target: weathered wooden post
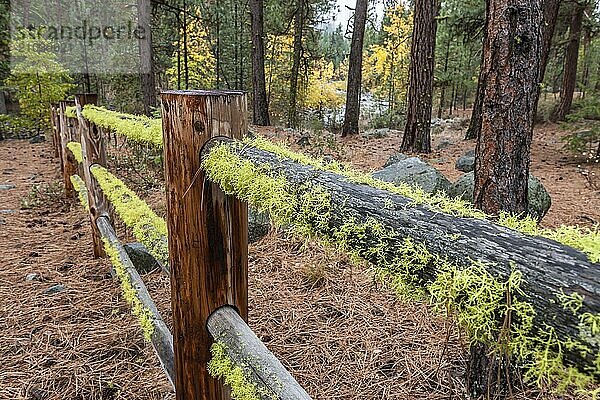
[
  {"x": 93, "y": 151},
  {"x": 55, "y": 131},
  {"x": 69, "y": 163},
  {"x": 208, "y": 232}
]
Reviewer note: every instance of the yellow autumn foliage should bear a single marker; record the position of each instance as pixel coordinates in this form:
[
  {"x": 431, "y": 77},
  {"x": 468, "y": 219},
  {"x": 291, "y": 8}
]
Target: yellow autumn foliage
[{"x": 385, "y": 67}]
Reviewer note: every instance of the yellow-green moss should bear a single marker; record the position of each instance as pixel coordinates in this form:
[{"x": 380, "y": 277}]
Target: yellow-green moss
[
  {"x": 82, "y": 193},
  {"x": 222, "y": 367},
  {"x": 480, "y": 301},
  {"x": 584, "y": 239},
  {"x": 148, "y": 228},
  {"x": 75, "y": 148},
  {"x": 137, "y": 128},
  {"x": 71, "y": 112},
  {"x": 144, "y": 315}
]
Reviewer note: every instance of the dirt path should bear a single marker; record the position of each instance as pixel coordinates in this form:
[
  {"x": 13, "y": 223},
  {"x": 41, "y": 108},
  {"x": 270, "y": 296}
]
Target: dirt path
[{"x": 73, "y": 341}]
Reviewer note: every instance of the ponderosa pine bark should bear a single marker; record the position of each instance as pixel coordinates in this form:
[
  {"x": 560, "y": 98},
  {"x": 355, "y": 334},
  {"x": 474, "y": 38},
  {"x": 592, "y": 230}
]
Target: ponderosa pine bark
[
  {"x": 260, "y": 105},
  {"x": 352, "y": 112},
  {"x": 511, "y": 64},
  {"x": 570, "y": 66},
  {"x": 417, "y": 132},
  {"x": 475, "y": 122},
  {"x": 551, "y": 8}
]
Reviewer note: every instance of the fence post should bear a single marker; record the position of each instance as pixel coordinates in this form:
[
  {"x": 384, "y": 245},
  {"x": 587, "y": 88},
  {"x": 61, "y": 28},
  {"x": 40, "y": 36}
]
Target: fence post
[
  {"x": 69, "y": 162},
  {"x": 93, "y": 151},
  {"x": 55, "y": 131},
  {"x": 208, "y": 232}
]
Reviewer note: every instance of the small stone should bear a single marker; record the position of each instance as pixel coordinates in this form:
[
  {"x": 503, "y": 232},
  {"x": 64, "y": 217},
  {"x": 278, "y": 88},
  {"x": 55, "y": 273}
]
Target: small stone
[
  {"x": 376, "y": 133},
  {"x": 55, "y": 289},
  {"x": 444, "y": 144},
  {"x": 7, "y": 186},
  {"x": 141, "y": 258},
  {"x": 394, "y": 158},
  {"x": 413, "y": 171},
  {"x": 465, "y": 164},
  {"x": 259, "y": 225},
  {"x": 537, "y": 196},
  {"x": 37, "y": 139},
  {"x": 8, "y": 211},
  {"x": 32, "y": 277},
  {"x": 303, "y": 141}
]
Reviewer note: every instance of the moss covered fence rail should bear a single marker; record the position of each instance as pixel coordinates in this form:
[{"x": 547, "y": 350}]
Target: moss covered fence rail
[
  {"x": 516, "y": 294},
  {"x": 213, "y": 346}
]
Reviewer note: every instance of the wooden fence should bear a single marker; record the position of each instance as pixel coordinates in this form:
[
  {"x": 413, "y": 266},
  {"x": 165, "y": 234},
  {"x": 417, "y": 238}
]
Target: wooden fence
[
  {"x": 549, "y": 290},
  {"x": 208, "y": 245}
]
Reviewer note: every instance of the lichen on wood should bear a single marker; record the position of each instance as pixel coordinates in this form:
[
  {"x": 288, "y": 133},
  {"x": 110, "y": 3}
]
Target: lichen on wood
[
  {"x": 481, "y": 299},
  {"x": 148, "y": 228},
  {"x": 75, "y": 148}
]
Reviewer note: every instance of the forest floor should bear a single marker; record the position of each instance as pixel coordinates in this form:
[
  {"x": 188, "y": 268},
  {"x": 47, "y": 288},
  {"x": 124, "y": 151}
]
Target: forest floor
[{"x": 342, "y": 333}]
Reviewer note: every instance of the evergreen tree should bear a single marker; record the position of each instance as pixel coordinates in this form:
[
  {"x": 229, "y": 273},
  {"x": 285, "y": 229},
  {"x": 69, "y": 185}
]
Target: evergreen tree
[{"x": 417, "y": 137}]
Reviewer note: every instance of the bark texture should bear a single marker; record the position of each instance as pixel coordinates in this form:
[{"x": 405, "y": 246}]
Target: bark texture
[
  {"x": 417, "y": 132},
  {"x": 512, "y": 53},
  {"x": 548, "y": 267},
  {"x": 260, "y": 105},
  {"x": 551, "y": 8},
  {"x": 352, "y": 112},
  {"x": 208, "y": 232},
  {"x": 570, "y": 69}
]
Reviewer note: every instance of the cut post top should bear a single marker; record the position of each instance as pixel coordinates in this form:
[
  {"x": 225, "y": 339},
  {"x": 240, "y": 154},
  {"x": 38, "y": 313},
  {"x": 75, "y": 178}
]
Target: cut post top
[{"x": 203, "y": 92}]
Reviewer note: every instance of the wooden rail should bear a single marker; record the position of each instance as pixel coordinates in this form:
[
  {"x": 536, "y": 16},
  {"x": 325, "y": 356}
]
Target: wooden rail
[
  {"x": 207, "y": 251},
  {"x": 247, "y": 351},
  {"x": 161, "y": 337}
]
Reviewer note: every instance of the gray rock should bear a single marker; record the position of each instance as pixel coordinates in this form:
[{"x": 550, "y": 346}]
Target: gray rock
[
  {"x": 142, "y": 260},
  {"x": 376, "y": 133},
  {"x": 538, "y": 197},
  {"x": 32, "y": 277},
  {"x": 465, "y": 163},
  {"x": 8, "y": 211},
  {"x": 442, "y": 160},
  {"x": 303, "y": 141},
  {"x": 37, "y": 139},
  {"x": 259, "y": 225},
  {"x": 394, "y": 158},
  {"x": 414, "y": 172},
  {"x": 444, "y": 144},
  {"x": 55, "y": 289},
  {"x": 7, "y": 186}
]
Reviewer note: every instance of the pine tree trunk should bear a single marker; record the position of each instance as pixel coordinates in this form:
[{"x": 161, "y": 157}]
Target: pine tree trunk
[
  {"x": 417, "y": 132},
  {"x": 551, "y": 8},
  {"x": 475, "y": 122},
  {"x": 298, "y": 33},
  {"x": 146, "y": 65},
  {"x": 443, "y": 91},
  {"x": 260, "y": 106},
  {"x": 512, "y": 55},
  {"x": 570, "y": 69},
  {"x": 355, "y": 70}
]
